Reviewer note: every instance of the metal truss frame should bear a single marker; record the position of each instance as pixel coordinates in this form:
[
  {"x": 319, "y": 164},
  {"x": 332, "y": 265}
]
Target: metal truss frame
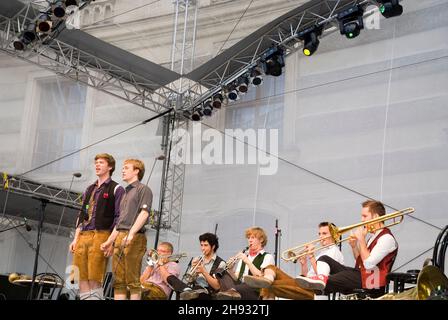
[
  {"x": 285, "y": 35},
  {"x": 22, "y": 186},
  {"x": 68, "y": 61},
  {"x": 7, "y": 221}
]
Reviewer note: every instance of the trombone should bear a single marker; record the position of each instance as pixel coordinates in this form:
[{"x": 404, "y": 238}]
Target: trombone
[{"x": 295, "y": 253}]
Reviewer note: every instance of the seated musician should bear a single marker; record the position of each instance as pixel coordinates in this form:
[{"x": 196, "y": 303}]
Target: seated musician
[
  {"x": 232, "y": 287},
  {"x": 200, "y": 281},
  {"x": 276, "y": 283},
  {"x": 154, "y": 277},
  {"x": 374, "y": 258}
]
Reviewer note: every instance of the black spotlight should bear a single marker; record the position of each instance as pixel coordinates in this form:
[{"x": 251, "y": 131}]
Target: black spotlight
[
  {"x": 391, "y": 8},
  {"x": 58, "y": 9},
  {"x": 69, "y": 3},
  {"x": 273, "y": 62},
  {"x": 351, "y": 21},
  {"x": 243, "y": 84},
  {"x": 310, "y": 38},
  {"x": 26, "y": 37},
  {"x": 207, "y": 109},
  {"x": 232, "y": 93},
  {"x": 256, "y": 77},
  {"x": 44, "y": 23},
  {"x": 217, "y": 100},
  {"x": 197, "y": 115}
]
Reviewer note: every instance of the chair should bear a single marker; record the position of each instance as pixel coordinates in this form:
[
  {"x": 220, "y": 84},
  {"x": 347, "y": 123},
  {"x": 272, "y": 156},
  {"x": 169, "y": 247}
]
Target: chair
[{"x": 400, "y": 279}]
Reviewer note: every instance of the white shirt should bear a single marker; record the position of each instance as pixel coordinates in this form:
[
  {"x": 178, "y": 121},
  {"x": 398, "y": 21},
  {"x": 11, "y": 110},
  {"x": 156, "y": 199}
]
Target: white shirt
[
  {"x": 333, "y": 252},
  {"x": 385, "y": 245},
  {"x": 267, "y": 260}
]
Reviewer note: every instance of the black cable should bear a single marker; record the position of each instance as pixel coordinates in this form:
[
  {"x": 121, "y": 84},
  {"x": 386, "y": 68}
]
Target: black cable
[
  {"x": 231, "y": 32},
  {"x": 97, "y": 142},
  {"x": 415, "y": 258},
  {"x": 336, "y": 81},
  {"x": 318, "y": 175}
]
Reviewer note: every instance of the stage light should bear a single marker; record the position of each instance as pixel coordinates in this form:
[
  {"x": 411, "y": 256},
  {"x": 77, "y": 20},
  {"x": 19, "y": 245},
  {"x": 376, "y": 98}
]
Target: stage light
[
  {"x": 232, "y": 93},
  {"x": 58, "y": 9},
  {"x": 310, "y": 38},
  {"x": 27, "y": 36},
  {"x": 44, "y": 23},
  {"x": 207, "y": 109},
  {"x": 243, "y": 84},
  {"x": 391, "y": 8},
  {"x": 256, "y": 77},
  {"x": 69, "y": 3},
  {"x": 351, "y": 21},
  {"x": 217, "y": 100},
  {"x": 197, "y": 115},
  {"x": 273, "y": 62}
]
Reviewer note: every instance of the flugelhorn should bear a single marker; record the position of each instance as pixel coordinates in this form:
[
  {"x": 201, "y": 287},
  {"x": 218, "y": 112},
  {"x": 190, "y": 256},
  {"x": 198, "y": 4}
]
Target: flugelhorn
[
  {"x": 295, "y": 253},
  {"x": 154, "y": 258},
  {"x": 229, "y": 264},
  {"x": 191, "y": 275}
]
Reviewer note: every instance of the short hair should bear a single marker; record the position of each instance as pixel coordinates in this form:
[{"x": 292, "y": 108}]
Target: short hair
[
  {"x": 375, "y": 207},
  {"x": 109, "y": 159},
  {"x": 137, "y": 164},
  {"x": 326, "y": 224},
  {"x": 258, "y": 233},
  {"x": 211, "y": 238},
  {"x": 168, "y": 245}
]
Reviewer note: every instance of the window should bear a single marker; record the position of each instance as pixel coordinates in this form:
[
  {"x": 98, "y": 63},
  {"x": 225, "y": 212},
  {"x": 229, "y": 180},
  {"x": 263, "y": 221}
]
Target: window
[{"x": 59, "y": 126}]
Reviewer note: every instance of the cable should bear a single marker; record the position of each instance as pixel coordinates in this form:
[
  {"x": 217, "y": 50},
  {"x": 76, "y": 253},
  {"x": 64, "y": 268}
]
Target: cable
[
  {"x": 415, "y": 258},
  {"x": 97, "y": 142},
  {"x": 336, "y": 81},
  {"x": 239, "y": 20},
  {"x": 318, "y": 175}
]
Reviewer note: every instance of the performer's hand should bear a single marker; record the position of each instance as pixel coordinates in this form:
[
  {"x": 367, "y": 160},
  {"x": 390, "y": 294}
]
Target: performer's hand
[
  {"x": 72, "y": 246},
  {"x": 243, "y": 257},
  {"x": 302, "y": 260},
  {"x": 310, "y": 250},
  {"x": 360, "y": 233},
  {"x": 352, "y": 240},
  {"x": 200, "y": 269},
  {"x": 109, "y": 251},
  {"x": 128, "y": 239},
  {"x": 107, "y": 247}
]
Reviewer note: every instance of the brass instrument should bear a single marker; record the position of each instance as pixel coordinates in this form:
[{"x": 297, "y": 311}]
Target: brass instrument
[
  {"x": 229, "y": 264},
  {"x": 430, "y": 281},
  {"x": 295, "y": 253},
  {"x": 191, "y": 276},
  {"x": 15, "y": 277},
  {"x": 154, "y": 258}
]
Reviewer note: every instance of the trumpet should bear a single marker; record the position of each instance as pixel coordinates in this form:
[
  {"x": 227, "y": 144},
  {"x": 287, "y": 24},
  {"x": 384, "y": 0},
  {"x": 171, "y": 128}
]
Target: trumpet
[
  {"x": 229, "y": 264},
  {"x": 154, "y": 258},
  {"x": 191, "y": 276},
  {"x": 295, "y": 253}
]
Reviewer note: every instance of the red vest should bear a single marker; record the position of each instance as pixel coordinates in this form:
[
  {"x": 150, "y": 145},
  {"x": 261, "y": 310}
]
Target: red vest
[{"x": 376, "y": 277}]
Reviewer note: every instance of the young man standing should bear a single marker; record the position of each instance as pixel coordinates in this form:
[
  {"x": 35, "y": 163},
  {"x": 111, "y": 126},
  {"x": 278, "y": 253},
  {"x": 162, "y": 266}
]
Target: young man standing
[
  {"x": 128, "y": 241},
  {"x": 97, "y": 218}
]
